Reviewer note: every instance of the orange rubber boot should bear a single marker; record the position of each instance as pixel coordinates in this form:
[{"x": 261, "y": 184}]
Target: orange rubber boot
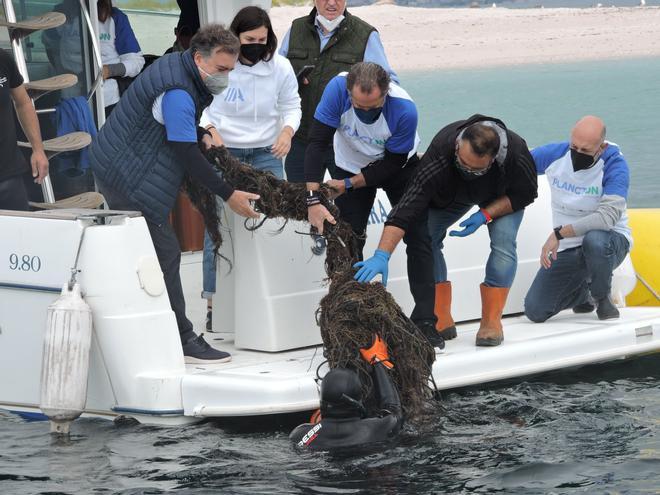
[
  {"x": 445, "y": 326},
  {"x": 493, "y": 300}
]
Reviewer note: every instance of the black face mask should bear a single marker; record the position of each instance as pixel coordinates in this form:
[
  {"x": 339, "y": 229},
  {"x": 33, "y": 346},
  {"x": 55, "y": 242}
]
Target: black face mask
[
  {"x": 254, "y": 52},
  {"x": 582, "y": 161},
  {"x": 368, "y": 116}
]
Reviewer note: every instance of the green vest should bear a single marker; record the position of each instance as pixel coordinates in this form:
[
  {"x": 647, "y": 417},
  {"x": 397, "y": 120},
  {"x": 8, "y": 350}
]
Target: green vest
[{"x": 345, "y": 48}]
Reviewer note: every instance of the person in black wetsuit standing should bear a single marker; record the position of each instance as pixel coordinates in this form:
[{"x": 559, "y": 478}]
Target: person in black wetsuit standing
[{"x": 344, "y": 422}]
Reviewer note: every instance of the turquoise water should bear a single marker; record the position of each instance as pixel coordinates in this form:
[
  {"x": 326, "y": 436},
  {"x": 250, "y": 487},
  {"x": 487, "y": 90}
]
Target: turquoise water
[{"x": 542, "y": 102}]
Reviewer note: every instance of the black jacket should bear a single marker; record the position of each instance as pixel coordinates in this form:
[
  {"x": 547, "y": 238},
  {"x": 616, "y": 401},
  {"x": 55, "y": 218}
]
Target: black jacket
[{"x": 437, "y": 183}]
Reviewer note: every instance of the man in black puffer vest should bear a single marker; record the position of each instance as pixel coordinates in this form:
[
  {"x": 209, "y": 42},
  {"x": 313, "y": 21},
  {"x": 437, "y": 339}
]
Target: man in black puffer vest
[
  {"x": 329, "y": 40},
  {"x": 150, "y": 142}
]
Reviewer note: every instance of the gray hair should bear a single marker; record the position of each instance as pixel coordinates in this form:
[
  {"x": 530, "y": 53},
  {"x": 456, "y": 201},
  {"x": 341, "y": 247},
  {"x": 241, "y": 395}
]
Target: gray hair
[
  {"x": 367, "y": 76},
  {"x": 214, "y": 37}
]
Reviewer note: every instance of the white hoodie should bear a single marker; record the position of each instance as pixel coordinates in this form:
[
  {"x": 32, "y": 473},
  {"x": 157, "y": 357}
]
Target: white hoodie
[{"x": 259, "y": 101}]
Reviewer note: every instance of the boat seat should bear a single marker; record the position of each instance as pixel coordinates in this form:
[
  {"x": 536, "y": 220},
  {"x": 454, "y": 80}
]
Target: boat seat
[
  {"x": 36, "y": 89},
  {"x": 21, "y": 29},
  {"x": 86, "y": 200},
  {"x": 69, "y": 142}
]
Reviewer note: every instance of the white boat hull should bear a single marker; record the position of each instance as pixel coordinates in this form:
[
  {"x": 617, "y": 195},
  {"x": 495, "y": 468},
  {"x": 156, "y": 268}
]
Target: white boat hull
[{"x": 265, "y": 312}]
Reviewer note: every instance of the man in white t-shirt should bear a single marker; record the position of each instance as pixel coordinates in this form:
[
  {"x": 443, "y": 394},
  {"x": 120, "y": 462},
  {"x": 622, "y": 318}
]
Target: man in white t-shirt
[
  {"x": 588, "y": 179},
  {"x": 372, "y": 124}
]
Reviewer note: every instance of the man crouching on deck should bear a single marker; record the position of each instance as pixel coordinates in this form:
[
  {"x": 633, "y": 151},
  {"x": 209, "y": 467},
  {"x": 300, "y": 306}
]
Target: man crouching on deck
[
  {"x": 471, "y": 162},
  {"x": 589, "y": 185}
]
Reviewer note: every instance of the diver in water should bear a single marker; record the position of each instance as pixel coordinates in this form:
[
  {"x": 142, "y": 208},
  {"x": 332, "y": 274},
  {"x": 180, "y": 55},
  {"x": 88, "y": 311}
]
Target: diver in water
[{"x": 344, "y": 420}]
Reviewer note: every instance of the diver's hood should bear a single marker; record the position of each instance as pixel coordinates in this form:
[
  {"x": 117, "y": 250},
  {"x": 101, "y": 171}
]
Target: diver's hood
[{"x": 341, "y": 394}]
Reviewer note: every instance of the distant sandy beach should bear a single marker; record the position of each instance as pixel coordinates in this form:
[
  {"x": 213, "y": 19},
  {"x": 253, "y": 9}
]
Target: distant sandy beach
[{"x": 420, "y": 38}]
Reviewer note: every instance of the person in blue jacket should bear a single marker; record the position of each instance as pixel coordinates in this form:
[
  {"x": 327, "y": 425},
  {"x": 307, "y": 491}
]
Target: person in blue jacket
[{"x": 588, "y": 179}]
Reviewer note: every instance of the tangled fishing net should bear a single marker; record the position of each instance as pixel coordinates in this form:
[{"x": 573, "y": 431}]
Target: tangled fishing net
[{"x": 351, "y": 312}]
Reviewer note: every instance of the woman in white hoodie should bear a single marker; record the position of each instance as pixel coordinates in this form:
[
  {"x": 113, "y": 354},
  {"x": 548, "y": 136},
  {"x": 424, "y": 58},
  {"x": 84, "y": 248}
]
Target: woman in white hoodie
[{"x": 258, "y": 113}]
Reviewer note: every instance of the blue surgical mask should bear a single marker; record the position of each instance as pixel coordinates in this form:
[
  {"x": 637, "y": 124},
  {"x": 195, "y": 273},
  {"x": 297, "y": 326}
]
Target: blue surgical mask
[
  {"x": 216, "y": 83},
  {"x": 368, "y": 116}
]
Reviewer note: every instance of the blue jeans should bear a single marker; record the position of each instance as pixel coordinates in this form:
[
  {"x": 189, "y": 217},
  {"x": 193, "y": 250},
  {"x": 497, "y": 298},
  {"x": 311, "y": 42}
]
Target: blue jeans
[
  {"x": 575, "y": 273},
  {"x": 261, "y": 159},
  {"x": 503, "y": 258}
]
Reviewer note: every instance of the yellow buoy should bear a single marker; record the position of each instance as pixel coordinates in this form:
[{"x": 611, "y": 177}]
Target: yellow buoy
[{"x": 645, "y": 224}]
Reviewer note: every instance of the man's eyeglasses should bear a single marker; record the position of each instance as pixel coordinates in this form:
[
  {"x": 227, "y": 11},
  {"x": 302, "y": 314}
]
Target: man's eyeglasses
[{"x": 478, "y": 172}]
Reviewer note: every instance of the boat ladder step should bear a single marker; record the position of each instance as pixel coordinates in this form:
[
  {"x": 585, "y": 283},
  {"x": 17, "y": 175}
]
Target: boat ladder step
[{"x": 21, "y": 29}]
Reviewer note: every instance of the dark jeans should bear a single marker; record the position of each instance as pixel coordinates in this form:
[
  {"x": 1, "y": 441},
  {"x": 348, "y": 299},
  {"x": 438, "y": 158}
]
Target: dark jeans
[
  {"x": 575, "y": 273},
  {"x": 355, "y": 208},
  {"x": 13, "y": 195},
  {"x": 168, "y": 252},
  {"x": 294, "y": 164}
]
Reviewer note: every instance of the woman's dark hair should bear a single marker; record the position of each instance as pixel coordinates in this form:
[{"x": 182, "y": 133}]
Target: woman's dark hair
[
  {"x": 249, "y": 18},
  {"x": 104, "y": 9}
]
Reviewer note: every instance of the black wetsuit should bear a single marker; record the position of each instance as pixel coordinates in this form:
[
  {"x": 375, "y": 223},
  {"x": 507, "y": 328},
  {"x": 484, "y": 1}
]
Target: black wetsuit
[{"x": 338, "y": 433}]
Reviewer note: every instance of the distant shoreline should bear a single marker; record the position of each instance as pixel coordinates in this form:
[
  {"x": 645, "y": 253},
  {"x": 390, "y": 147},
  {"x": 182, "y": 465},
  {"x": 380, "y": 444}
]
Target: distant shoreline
[{"x": 454, "y": 38}]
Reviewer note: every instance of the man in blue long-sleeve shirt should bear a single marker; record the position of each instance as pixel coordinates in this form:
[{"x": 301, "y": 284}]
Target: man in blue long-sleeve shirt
[
  {"x": 150, "y": 142},
  {"x": 588, "y": 179}
]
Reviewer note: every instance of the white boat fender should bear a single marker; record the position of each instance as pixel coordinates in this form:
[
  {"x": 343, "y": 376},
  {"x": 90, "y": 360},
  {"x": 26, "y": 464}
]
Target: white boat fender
[
  {"x": 65, "y": 362},
  {"x": 65, "y": 358}
]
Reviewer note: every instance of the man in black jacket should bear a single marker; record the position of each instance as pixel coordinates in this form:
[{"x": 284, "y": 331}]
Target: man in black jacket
[
  {"x": 471, "y": 162},
  {"x": 344, "y": 423}
]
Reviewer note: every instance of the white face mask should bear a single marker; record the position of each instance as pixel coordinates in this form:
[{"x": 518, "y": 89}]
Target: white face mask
[{"x": 329, "y": 25}]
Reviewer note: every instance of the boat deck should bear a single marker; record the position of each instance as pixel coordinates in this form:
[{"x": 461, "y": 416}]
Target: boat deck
[{"x": 262, "y": 383}]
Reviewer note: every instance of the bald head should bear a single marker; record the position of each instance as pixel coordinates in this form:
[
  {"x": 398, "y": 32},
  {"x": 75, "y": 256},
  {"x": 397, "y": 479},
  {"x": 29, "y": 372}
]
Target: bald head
[{"x": 588, "y": 135}]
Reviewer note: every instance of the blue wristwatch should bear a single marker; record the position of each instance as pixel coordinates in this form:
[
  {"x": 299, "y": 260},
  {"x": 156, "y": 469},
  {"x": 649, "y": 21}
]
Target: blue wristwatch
[{"x": 347, "y": 183}]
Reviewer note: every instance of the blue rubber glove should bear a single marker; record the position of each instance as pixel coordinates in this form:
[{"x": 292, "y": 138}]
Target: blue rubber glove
[
  {"x": 368, "y": 269},
  {"x": 472, "y": 223}
]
